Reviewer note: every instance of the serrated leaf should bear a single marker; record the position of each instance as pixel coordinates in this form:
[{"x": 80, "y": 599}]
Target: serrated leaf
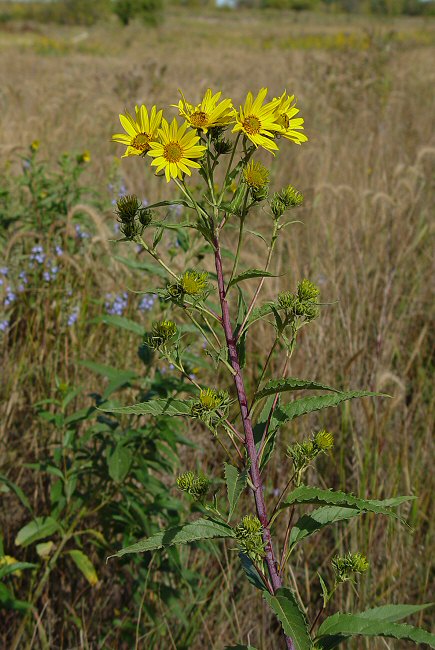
[
  {"x": 309, "y": 524},
  {"x": 344, "y": 625},
  {"x": 290, "y": 384},
  {"x": 307, "y": 494},
  {"x": 249, "y": 274},
  {"x": 84, "y": 564},
  {"x": 38, "y": 528},
  {"x": 251, "y": 572},
  {"x": 309, "y": 404},
  {"x": 184, "y": 534},
  {"x": 236, "y": 483},
  {"x": 392, "y": 613},
  {"x": 154, "y": 407},
  {"x": 121, "y": 322},
  {"x": 119, "y": 462},
  {"x": 293, "y": 621}
]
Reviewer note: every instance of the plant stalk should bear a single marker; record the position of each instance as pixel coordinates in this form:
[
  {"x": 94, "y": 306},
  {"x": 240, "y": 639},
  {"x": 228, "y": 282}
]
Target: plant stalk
[{"x": 249, "y": 433}]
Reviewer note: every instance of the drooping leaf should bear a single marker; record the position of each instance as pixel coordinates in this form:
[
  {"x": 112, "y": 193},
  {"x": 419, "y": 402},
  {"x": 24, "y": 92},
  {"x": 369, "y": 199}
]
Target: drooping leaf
[
  {"x": 236, "y": 483},
  {"x": 339, "y": 626},
  {"x": 16, "y": 567},
  {"x": 259, "y": 428},
  {"x": 249, "y": 274},
  {"x": 308, "y": 494},
  {"x": 152, "y": 407},
  {"x": 290, "y": 384},
  {"x": 251, "y": 572},
  {"x": 293, "y": 621},
  {"x": 119, "y": 462},
  {"x": 17, "y": 490},
  {"x": 38, "y": 528},
  {"x": 121, "y": 322},
  {"x": 309, "y": 404},
  {"x": 84, "y": 564},
  {"x": 184, "y": 534}
]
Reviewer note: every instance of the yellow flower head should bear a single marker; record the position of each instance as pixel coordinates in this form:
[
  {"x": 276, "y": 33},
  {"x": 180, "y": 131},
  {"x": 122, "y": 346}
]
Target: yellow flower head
[
  {"x": 194, "y": 283},
  {"x": 285, "y": 116},
  {"x": 176, "y": 151},
  {"x": 256, "y": 175},
  {"x": 140, "y": 131},
  {"x": 7, "y": 560},
  {"x": 258, "y": 122},
  {"x": 210, "y": 112}
]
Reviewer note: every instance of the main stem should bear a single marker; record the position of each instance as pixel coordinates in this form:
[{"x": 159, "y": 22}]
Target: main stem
[{"x": 247, "y": 426}]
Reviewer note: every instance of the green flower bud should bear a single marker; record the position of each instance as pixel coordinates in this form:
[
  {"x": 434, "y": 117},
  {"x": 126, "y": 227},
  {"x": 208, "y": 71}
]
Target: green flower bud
[
  {"x": 222, "y": 146},
  {"x": 256, "y": 175},
  {"x": 344, "y": 566},
  {"x": 277, "y": 206},
  {"x": 161, "y": 333},
  {"x": 307, "y": 290},
  {"x": 250, "y": 539},
  {"x": 290, "y": 197},
  {"x": 196, "y": 486}
]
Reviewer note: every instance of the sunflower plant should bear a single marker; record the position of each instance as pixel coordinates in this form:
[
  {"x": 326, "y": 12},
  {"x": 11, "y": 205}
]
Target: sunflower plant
[{"x": 219, "y": 144}]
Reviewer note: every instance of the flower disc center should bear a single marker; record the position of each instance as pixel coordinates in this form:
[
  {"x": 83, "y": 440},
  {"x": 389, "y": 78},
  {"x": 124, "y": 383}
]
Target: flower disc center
[
  {"x": 198, "y": 119},
  {"x": 251, "y": 124},
  {"x": 173, "y": 152},
  {"x": 141, "y": 142}
]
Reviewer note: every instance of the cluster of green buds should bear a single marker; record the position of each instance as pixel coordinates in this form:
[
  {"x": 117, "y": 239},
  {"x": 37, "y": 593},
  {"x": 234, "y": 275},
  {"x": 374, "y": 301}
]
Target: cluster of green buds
[
  {"x": 162, "y": 332},
  {"x": 300, "y": 306},
  {"x": 191, "y": 283},
  {"x": 287, "y": 198},
  {"x": 303, "y": 453},
  {"x": 250, "y": 539},
  {"x": 221, "y": 145},
  {"x": 132, "y": 216},
  {"x": 195, "y": 485},
  {"x": 211, "y": 407},
  {"x": 345, "y": 566}
]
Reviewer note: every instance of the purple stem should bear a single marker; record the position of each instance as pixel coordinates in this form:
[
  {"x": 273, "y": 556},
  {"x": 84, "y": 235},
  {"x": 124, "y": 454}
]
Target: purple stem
[{"x": 249, "y": 433}]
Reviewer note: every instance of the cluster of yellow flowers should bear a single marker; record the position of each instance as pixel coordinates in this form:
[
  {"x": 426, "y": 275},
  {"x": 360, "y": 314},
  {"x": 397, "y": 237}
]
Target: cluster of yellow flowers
[{"x": 176, "y": 148}]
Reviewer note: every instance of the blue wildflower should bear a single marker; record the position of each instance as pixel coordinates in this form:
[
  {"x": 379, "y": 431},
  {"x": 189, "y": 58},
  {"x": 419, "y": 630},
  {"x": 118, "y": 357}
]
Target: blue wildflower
[
  {"x": 4, "y": 324},
  {"x": 73, "y": 316},
  {"x": 147, "y": 302}
]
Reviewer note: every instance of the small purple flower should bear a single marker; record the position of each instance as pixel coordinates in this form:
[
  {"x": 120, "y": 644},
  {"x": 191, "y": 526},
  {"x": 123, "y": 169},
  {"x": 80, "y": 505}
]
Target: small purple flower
[
  {"x": 115, "y": 306},
  {"x": 116, "y": 227},
  {"x": 4, "y": 324},
  {"x": 10, "y": 297},
  {"x": 1, "y": 282},
  {"x": 54, "y": 270},
  {"x": 73, "y": 316},
  {"x": 23, "y": 277},
  {"x": 26, "y": 164},
  {"x": 4, "y": 270},
  {"x": 46, "y": 275},
  {"x": 122, "y": 191},
  {"x": 147, "y": 302},
  {"x": 58, "y": 250},
  {"x": 81, "y": 234},
  {"x": 171, "y": 366},
  {"x": 192, "y": 376},
  {"x": 37, "y": 254}
]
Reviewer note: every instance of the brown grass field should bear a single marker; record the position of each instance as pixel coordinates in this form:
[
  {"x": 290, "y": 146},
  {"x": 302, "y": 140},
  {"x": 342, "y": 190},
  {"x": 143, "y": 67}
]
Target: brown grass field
[{"x": 365, "y": 88}]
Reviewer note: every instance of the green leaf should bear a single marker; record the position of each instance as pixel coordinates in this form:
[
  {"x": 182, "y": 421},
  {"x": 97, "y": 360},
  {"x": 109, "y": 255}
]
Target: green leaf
[
  {"x": 307, "y": 494},
  {"x": 236, "y": 483},
  {"x": 344, "y": 625},
  {"x": 154, "y": 407},
  {"x": 269, "y": 447},
  {"x": 293, "y": 621},
  {"x": 239, "y": 647},
  {"x": 120, "y": 322},
  {"x": 392, "y": 613},
  {"x": 6, "y": 569},
  {"x": 149, "y": 267},
  {"x": 249, "y": 274},
  {"x": 309, "y": 524},
  {"x": 8, "y": 601},
  {"x": 251, "y": 572},
  {"x": 108, "y": 371},
  {"x": 84, "y": 564},
  {"x": 289, "y": 384},
  {"x": 119, "y": 462},
  {"x": 309, "y": 404},
  {"x": 39, "y": 528},
  {"x": 184, "y": 534},
  {"x": 18, "y": 491},
  {"x": 258, "y": 313}
]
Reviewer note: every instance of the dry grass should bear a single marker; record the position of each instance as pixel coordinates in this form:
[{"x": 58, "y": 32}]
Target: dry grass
[{"x": 366, "y": 237}]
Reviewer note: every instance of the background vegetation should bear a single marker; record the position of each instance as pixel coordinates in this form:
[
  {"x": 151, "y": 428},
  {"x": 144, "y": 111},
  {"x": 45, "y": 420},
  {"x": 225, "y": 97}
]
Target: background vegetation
[{"x": 95, "y": 483}]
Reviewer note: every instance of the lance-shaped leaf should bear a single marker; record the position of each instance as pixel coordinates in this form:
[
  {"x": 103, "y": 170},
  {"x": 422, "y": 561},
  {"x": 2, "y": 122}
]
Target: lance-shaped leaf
[
  {"x": 249, "y": 274},
  {"x": 185, "y": 534},
  {"x": 317, "y": 519},
  {"x": 293, "y": 621},
  {"x": 336, "y": 628},
  {"x": 149, "y": 267},
  {"x": 38, "y": 528},
  {"x": 251, "y": 572},
  {"x": 84, "y": 564},
  {"x": 307, "y": 494},
  {"x": 309, "y": 404},
  {"x": 121, "y": 322},
  {"x": 152, "y": 407},
  {"x": 236, "y": 483},
  {"x": 289, "y": 384}
]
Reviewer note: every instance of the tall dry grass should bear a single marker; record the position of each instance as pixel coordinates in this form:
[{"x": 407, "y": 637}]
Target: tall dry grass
[{"x": 366, "y": 237}]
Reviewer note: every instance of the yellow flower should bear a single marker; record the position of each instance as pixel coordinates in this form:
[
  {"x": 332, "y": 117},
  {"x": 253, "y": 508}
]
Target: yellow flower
[
  {"x": 258, "y": 122},
  {"x": 34, "y": 146},
  {"x": 140, "y": 131},
  {"x": 290, "y": 125},
  {"x": 7, "y": 560},
  {"x": 208, "y": 113},
  {"x": 256, "y": 175},
  {"x": 176, "y": 151}
]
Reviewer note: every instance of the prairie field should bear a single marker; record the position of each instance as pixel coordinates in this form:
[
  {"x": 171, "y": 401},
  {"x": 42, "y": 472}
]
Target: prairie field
[{"x": 364, "y": 235}]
